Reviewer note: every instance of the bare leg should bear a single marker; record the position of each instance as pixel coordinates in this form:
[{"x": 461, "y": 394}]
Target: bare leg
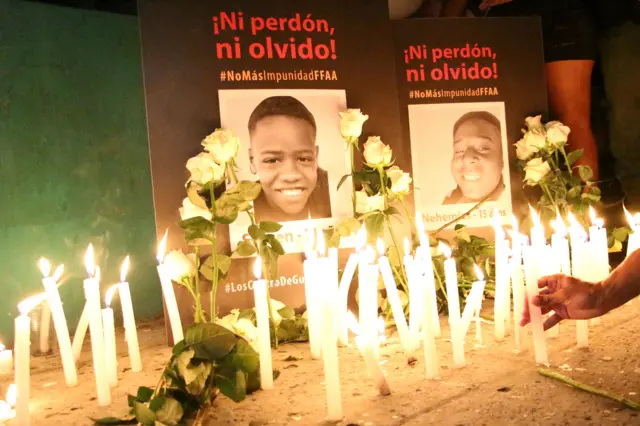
[{"x": 569, "y": 91}]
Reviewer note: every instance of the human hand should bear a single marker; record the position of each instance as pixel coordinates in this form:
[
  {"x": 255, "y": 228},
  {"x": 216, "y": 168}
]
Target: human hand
[
  {"x": 568, "y": 297},
  {"x": 487, "y": 4}
]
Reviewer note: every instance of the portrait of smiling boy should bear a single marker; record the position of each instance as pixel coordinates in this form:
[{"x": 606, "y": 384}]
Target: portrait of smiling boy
[
  {"x": 477, "y": 164},
  {"x": 284, "y": 156}
]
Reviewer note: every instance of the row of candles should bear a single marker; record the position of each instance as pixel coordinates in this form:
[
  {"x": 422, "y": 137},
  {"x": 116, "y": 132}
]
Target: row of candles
[{"x": 518, "y": 265}]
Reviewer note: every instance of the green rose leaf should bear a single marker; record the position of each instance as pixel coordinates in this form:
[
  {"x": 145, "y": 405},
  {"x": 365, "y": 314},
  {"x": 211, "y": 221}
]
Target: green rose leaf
[
  {"x": 144, "y": 414},
  {"x": 459, "y": 226},
  {"x": 224, "y": 263},
  {"x": 463, "y": 235},
  {"x": 348, "y": 226},
  {"x": 209, "y": 341},
  {"x": 144, "y": 394},
  {"x": 342, "y": 180},
  {"x": 198, "y": 376},
  {"x": 286, "y": 312},
  {"x": 616, "y": 247},
  {"x": 178, "y": 348},
  {"x": 275, "y": 244},
  {"x": 249, "y": 190},
  {"x": 245, "y": 248},
  {"x": 226, "y": 212},
  {"x": 268, "y": 226},
  {"x": 585, "y": 172},
  {"x": 232, "y": 383},
  {"x": 157, "y": 403},
  {"x": 574, "y": 156},
  {"x": 198, "y": 227},
  {"x": 574, "y": 192},
  {"x": 256, "y": 233},
  {"x": 374, "y": 224},
  {"x": 621, "y": 234},
  {"x": 170, "y": 413},
  {"x": 114, "y": 421},
  {"x": 243, "y": 356},
  {"x": 195, "y": 198}
]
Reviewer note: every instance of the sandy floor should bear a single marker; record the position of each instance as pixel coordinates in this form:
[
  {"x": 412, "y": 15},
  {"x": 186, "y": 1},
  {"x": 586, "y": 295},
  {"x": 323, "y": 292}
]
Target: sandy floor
[{"x": 497, "y": 387}]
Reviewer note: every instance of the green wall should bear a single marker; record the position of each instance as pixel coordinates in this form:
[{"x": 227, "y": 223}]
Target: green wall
[{"x": 74, "y": 162}]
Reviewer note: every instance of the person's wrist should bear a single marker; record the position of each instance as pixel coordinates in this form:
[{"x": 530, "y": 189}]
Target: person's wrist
[{"x": 603, "y": 297}]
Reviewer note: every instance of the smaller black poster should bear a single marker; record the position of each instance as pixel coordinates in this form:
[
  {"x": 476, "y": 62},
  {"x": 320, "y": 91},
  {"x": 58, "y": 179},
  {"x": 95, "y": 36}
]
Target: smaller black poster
[{"x": 466, "y": 86}]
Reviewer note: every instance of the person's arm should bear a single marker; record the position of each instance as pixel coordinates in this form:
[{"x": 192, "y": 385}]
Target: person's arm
[
  {"x": 453, "y": 8},
  {"x": 571, "y": 298}
]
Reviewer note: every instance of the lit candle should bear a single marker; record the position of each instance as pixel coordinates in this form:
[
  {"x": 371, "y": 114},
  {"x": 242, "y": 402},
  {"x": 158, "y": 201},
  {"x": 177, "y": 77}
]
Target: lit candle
[
  {"x": 6, "y": 407},
  {"x": 111, "y": 358},
  {"x": 537, "y": 231},
  {"x": 6, "y": 360},
  {"x": 22, "y": 341},
  {"x": 169, "y": 295},
  {"x": 262, "y": 319},
  {"x": 92, "y": 294},
  {"x": 394, "y": 299},
  {"x": 502, "y": 305},
  {"x": 599, "y": 250},
  {"x": 430, "y": 331},
  {"x": 368, "y": 297},
  {"x": 365, "y": 348},
  {"x": 451, "y": 279},
  {"x": 327, "y": 299},
  {"x": 474, "y": 301},
  {"x": 80, "y": 333},
  {"x": 424, "y": 262},
  {"x": 59, "y": 320},
  {"x": 579, "y": 265},
  {"x": 517, "y": 281},
  {"x": 416, "y": 295},
  {"x": 45, "y": 325},
  {"x": 128, "y": 318},
  {"x": 343, "y": 294},
  {"x": 313, "y": 278},
  {"x": 531, "y": 258},
  {"x": 634, "y": 238}
]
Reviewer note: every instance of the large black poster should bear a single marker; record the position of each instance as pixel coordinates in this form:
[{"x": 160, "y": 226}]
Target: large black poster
[
  {"x": 277, "y": 73},
  {"x": 466, "y": 86}
]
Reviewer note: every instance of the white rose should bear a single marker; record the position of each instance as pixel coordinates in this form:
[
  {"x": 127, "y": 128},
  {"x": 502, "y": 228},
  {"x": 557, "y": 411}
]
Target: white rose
[
  {"x": 245, "y": 328},
  {"x": 366, "y": 204},
  {"x": 204, "y": 170},
  {"x": 351, "y": 123},
  {"x": 523, "y": 151},
  {"x": 222, "y": 145},
  {"x": 179, "y": 265},
  {"x": 535, "y": 141},
  {"x": 400, "y": 181},
  {"x": 376, "y": 153},
  {"x": 534, "y": 123},
  {"x": 535, "y": 170},
  {"x": 557, "y": 133},
  {"x": 190, "y": 210}
]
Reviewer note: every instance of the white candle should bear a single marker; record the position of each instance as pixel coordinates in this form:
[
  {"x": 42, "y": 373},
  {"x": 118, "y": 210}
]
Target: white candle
[
  {"x": 313, "y": 279},
  {"x": 451, "y": 280},
  {"x": 502, "y": 305},
  {"x": 579, "y": 264},
  {"x": 45, "y": 325},
  {"x": 474, "y": 302},
  {"x": 365, "y": 348},
  {"x": 394, "y": 299},
  {"x": 368, "y": 297},
  {"x": 169, "y": 295},
  {"x": 532, "y": 255},
  {"x": 6, "y": 407},
  {"x": 599, "y": 252},
  {"x": 92, "y": 294},
  {"x": 633, "y": 243},
  {"x": 343, "y": 296},
  {"x": 21, "y": 347},
  {"x": 560, "y": 247},
  {"x": 111, "y": 358},
  {"x": 128, "y": 318},
  {"x": 81, "y": 332},
  {"x": 538, "y": 238},
  {"x": 262, "y": 319},
  {"x": 429, "y": 333},
  {"x": 424, "y": 263},
  {"x": 59, "y": 321},
  {"x": 329, "y": 332},
  {"x": 6, "y": 360},
  {"x": 517, "y": 281}
]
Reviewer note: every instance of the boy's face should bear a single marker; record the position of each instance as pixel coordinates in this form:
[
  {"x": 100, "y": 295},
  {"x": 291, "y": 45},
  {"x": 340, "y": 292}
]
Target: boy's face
[
  {"x": 477, "y": 158},
  {"x": 284, "y": 155}
]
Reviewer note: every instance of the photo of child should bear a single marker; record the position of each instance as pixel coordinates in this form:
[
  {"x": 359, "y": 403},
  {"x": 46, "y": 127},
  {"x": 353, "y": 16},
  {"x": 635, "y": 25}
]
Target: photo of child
[
  {"x": 290, "y": 142},
  {"x": 284, "y": 156},
  {"x": 460, "y": 158}
]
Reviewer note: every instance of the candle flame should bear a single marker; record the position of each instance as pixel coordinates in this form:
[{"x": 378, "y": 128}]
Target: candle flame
[
  {"x": 478, "y": 272},
  {"x": 28, "y": 304},
  {"x": 361, "y": 238},
  {"x": 89, "y": 261},
  {"x": 514, "y": 223},
  {"x": 380, "y": 246},
  {"x": 381, "y": 329},
  {"x": 124, "y": 269},
  {"x": 11, "y": 395},
  {"x": 352, "y": 323},
  {"x": 595, "y": 220},
  {"x": 407, "y": 247},
  {"x": 321, "y": 246},
  {"x": 558, "y": 225},
  {"x": 575, "y": 228},
  {"x": 108, "y": 297},
  {"x": 161, "y": 247},
  {"x": 45, "y": 267},
  {"x": 634, "y": 220},
  {"x": 535, "y": 218},
  {"x": 257, "y": 268},
  {"x": 2, "y": 347},
  {"x": 445, "y": 249}
]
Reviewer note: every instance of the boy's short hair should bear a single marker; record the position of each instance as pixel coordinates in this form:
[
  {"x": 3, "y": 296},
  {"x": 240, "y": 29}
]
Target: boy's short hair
[
  {"x": 287, "y": 106},
  {"x": 477, "y": 115}
]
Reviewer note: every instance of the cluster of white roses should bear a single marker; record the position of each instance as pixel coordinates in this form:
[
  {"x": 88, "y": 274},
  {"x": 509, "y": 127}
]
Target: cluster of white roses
[
  {"x": 209, "y": 167},
  {"x": 377, "y": 156},
  {"x": 539, "y": 142}
]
